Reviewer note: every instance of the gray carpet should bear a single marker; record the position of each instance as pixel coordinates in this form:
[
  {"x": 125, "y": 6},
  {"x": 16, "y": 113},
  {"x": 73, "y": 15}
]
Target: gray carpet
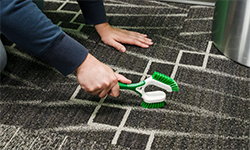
[{"x": 41, "y": 109}]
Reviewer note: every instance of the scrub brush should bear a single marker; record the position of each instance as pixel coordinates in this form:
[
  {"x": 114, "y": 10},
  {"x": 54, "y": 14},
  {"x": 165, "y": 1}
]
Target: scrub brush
[{"x": 153, "y": 99}]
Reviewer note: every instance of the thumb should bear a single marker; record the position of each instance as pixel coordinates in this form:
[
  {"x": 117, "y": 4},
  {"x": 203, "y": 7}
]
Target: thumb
[{"x": 123, "y": 79}]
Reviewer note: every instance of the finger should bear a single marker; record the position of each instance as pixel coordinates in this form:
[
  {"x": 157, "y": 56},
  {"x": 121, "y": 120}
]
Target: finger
[
  {"x": 143, "y": 39},
  {"x": 122, "y": 79},
  {"x": 115, "y": 91},
  {"x": 117, "y": 45},
  {"x": 112, "y": 91},
  {"x": 97, "y": 92},
  {"x": 108, "y": 87},
  {"x": 104, "y": 92},
  {"x": 135, "y": 40}
]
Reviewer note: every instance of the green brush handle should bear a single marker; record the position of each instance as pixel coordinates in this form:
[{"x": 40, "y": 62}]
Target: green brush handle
[{"x": 132, "y": 86}]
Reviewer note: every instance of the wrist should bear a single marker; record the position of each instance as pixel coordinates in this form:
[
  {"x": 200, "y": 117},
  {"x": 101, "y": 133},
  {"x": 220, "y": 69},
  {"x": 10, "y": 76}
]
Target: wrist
[
  {"x": 101, "y": 28},
  {"x": 89, "y": 63},
  {"x": 84, "y": 64}
]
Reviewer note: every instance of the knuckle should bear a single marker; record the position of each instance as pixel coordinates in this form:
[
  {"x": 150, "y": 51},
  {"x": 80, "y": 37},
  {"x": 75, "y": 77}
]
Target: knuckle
[
  {"x": 114, "y": 79},
  {"x": 93, "y": 89},
  {"x": 90, "y": 90},
  {"x": 137, "y": 42},
  {"x": 106, "y": 84}
]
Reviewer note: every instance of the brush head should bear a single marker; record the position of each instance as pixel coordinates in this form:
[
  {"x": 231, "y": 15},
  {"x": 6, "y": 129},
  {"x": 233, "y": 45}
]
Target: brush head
[
  {"x": 153, "y": 105},
  {"x": 156, "y": 99},
  {"x": 166, "y": 80},
  {"x": 153, "y": 99}
]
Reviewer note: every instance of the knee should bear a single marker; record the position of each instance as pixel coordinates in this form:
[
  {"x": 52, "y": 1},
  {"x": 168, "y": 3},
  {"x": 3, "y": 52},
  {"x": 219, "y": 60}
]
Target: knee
[{"x": 3, "y": 57}]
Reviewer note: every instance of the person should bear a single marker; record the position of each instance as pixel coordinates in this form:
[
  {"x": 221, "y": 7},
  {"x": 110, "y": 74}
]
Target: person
[
  {"x": 3, "y": 56},
  {"x": 24, "y": 24}
]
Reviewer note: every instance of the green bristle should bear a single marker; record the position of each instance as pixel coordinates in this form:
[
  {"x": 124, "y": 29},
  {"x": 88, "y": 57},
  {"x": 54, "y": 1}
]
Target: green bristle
[
  {"x": 166, "y": 80},
  {"x": 153, "y": 105}
]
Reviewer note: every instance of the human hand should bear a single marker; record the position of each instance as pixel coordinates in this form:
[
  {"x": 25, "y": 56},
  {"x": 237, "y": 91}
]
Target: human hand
[
  {"x": 99, "y": 79},
  {"x": 114, "y": 37}
]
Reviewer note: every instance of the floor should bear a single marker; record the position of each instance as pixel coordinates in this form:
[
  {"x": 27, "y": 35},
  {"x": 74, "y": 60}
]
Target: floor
[{"x": 41, "y": 109}]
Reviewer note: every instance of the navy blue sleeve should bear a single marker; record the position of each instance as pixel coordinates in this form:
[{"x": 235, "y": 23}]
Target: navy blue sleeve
[
  {"x": 24, "y": 24},
  {"x": 93, "y": 11}
]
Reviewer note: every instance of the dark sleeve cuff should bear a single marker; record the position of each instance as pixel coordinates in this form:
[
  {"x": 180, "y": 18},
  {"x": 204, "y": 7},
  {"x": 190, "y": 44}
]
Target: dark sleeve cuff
[
  {"x": 66, "y": 54},
  {"x": 93, "y": 11}
]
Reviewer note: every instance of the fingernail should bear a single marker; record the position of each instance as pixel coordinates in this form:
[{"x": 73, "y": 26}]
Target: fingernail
[{"x": 123, "y": 49}]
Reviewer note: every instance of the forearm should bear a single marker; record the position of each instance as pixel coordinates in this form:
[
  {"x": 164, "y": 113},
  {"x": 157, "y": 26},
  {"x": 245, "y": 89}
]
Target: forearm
[
  {"x": 93, "y": 11},
  {"x": 66, "y": 55},
  {"x": 24, "y": 24}
]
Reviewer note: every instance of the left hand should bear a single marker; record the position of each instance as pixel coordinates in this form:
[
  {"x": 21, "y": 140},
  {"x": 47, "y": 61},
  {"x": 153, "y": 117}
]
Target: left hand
[{"x": 114, "y": 37}]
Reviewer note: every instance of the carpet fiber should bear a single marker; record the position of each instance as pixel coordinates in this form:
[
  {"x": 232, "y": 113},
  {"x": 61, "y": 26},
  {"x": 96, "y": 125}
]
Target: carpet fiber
[{"x": 41, "y": 109}]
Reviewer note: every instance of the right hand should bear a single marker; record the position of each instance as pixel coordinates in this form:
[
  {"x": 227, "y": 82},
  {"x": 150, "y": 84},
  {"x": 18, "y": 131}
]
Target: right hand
[{"x": 99, "y": 79}]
